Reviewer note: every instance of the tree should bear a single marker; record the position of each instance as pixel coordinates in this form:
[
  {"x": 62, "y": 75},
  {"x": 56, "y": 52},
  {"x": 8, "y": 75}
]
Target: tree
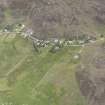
[{"x": 35, "y": 47}]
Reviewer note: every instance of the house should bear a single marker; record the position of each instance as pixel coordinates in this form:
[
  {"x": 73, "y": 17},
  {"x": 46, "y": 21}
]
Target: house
[{"x": 76, "y": 56}]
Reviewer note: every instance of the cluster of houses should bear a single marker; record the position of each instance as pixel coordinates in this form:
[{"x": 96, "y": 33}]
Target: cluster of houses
[
  {"x": 60, "y": 42},
  {"x": 28, "y": 33}
]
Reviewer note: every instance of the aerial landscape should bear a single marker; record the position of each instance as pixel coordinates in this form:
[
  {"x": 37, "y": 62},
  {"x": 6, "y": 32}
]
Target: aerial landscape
[{"x": 52, "y": 52}]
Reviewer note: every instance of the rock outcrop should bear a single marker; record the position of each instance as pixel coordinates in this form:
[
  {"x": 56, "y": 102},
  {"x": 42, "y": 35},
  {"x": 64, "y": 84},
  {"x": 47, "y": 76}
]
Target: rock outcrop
[{"x": 91, "y": 73}]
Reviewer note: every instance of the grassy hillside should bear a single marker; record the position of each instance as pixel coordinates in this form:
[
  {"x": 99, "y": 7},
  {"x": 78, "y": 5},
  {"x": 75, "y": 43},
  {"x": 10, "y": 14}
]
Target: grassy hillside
[{"x": 29, "y": 78}]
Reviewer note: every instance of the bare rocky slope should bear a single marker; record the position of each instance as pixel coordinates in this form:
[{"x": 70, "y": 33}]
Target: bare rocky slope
[
  {"x": 91, "y": 73},
  {"x": 57, "y": 18}
]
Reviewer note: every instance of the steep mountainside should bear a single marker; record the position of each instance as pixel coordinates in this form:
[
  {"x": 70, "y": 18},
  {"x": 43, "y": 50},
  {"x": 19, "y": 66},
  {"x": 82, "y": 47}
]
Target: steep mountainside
[{"x": 56, "y": 18}]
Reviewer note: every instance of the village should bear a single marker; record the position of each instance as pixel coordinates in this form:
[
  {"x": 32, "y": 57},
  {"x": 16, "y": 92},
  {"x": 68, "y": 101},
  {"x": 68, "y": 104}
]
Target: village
[
  {"x": 20, "y": 29},
  {"x": 55, "y": 44}
]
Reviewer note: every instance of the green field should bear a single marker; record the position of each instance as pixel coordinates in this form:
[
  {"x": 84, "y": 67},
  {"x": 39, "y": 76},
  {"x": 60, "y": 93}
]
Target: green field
[{"x": 31, "y": 78}]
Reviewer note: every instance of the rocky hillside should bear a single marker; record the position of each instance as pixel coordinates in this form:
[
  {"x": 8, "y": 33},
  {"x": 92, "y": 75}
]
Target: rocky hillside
[
  {"x": 58, "y": 18},
  {"x": 91, "y": 73}
]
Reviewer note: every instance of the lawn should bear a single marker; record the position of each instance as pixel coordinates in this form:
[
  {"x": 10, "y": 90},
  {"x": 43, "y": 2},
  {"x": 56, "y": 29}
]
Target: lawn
[{"x": 31, "y": 78}]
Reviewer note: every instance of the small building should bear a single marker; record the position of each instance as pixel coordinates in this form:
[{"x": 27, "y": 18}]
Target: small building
[
  {"x": 81, "y": 42},
  {"x": 76, "y": 56},
  {"x": 28, "y": 32}
]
